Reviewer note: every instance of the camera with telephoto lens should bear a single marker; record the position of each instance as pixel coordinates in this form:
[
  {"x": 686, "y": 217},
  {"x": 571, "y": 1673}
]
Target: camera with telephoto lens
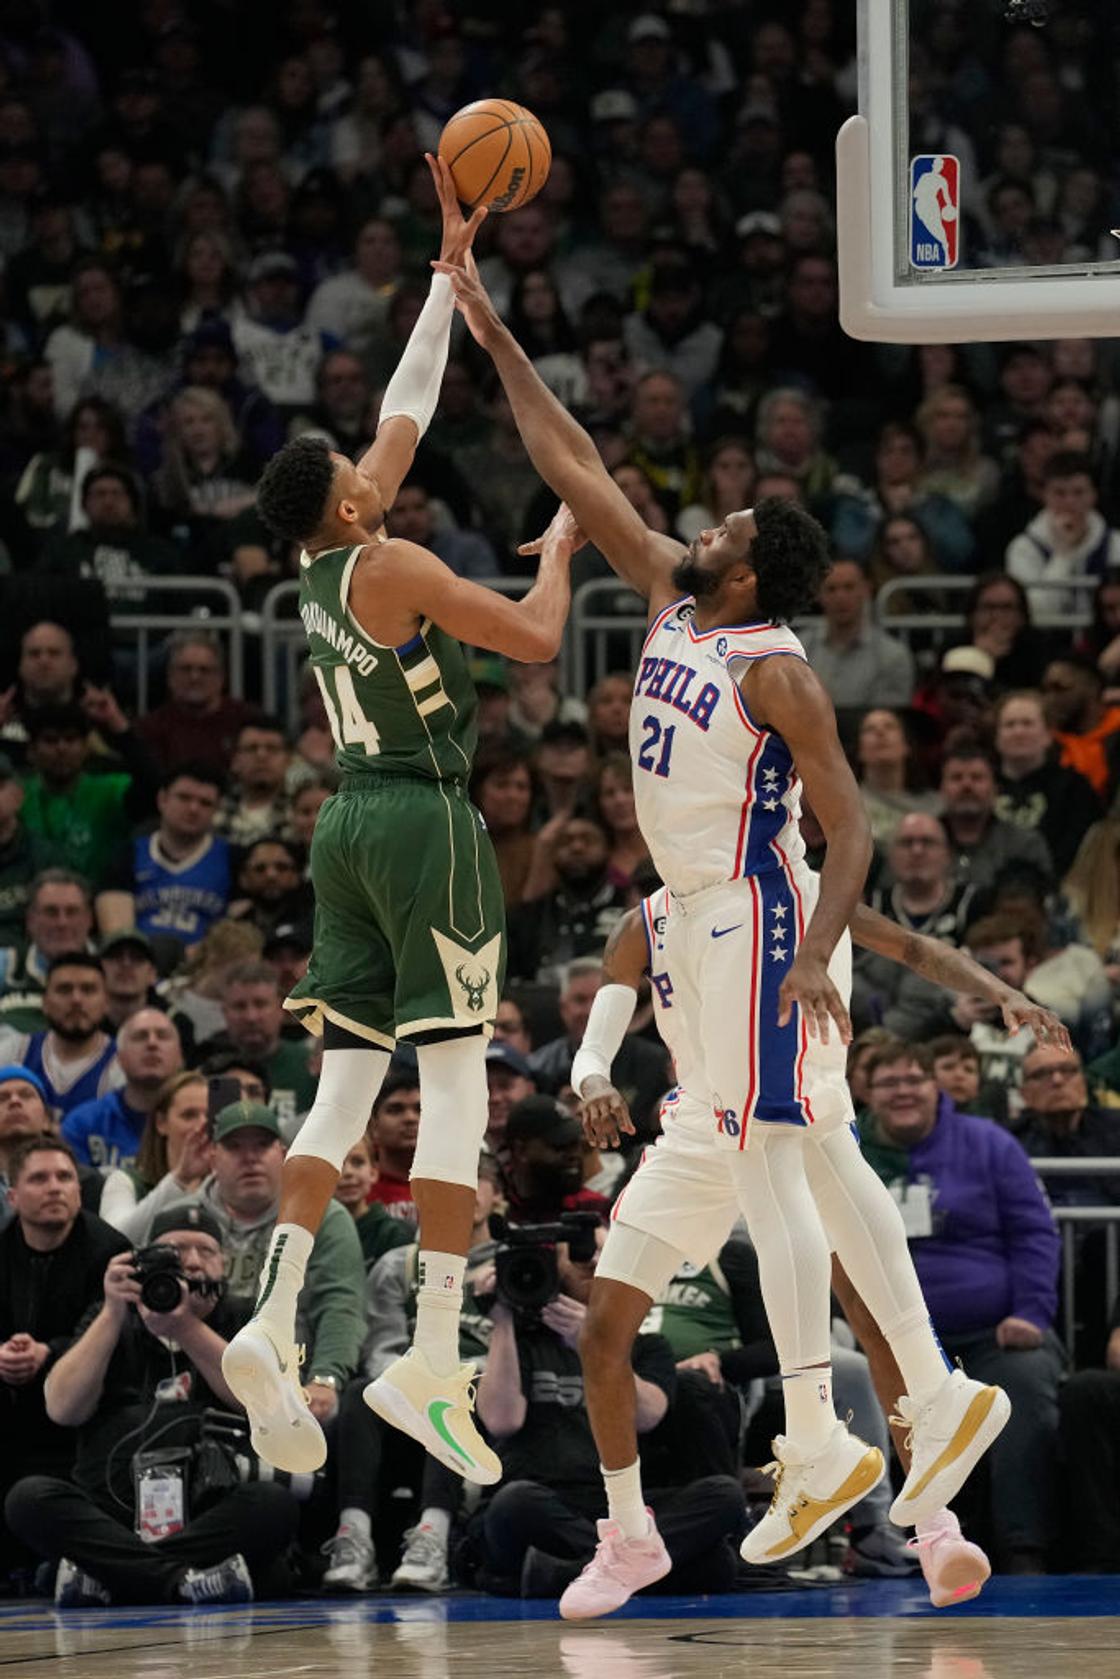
[
  {"x": 526, "y": 1266},
  {"x": 159, "y": 1271}
]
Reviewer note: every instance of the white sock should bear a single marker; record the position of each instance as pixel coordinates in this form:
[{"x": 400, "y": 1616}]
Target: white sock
[
  {"x": 919, "y": 1356},
  {"x": 437, "y": 1522},
  {"x": 625, "y": 1504},
  {"x": 355, "y": 1522},
  {"x": 438, "y": 1304},
  {"x": 810, "y": 1413},
  {"x": 937, "y": 1523},
  {"x": 282, "y": 1278}
]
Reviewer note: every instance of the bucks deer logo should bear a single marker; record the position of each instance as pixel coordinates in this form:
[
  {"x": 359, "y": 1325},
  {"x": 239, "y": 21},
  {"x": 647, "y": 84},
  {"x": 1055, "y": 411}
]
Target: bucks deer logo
[
  {"x": 474, "y": 984},
  {"x": 472, "y": 976}
]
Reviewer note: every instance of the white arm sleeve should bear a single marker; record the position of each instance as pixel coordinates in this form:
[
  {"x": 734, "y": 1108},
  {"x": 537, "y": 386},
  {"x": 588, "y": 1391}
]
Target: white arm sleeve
[
  {"x": 414, "y": 388},
  {"x": 611, "y": 1013}
]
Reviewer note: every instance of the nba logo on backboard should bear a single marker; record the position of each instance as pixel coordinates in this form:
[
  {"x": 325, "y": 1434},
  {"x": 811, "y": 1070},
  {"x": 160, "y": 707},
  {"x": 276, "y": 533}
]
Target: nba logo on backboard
[{"x": 934, "y": 211}]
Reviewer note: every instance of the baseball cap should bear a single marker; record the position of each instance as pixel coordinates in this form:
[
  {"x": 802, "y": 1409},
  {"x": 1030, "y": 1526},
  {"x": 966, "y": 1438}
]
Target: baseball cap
[
  {"x": 489, "y": 673},
  {"x": 246, "y": 1116},
  {"x": 273, "y": 265},
  {"x": 13, "y": 1071},
  {"x": 968, "y": 661},
  {"x": 500, "y": 1054},
  {"x": 295, "y": 933},
  {"x": 758, "y": 221},
  {"x": 649, "y": 27},
  {"x": 542, "y": 1116},
  {"x": 128, "y": 936},
  {"x": 7, "y": 768},
  {"x": 614, "y": 104},
  {"x": 185, "y": 1215}
]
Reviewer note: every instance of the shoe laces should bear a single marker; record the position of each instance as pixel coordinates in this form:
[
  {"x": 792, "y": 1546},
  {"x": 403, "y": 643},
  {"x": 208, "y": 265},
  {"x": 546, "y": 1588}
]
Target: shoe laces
[
  {"x": 422, "y": 1545},
  {"x": 342, "y": 1548}
]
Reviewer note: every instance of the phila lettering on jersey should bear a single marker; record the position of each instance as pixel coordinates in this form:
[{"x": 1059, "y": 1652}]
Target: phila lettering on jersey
[{"x": 717, "y": 796}]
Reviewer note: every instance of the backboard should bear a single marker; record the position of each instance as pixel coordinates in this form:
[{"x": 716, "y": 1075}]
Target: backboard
[{"x": 977, "y": 187}]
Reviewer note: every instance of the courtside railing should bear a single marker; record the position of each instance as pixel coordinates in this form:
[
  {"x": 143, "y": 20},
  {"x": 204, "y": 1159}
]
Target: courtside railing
[
  {"x": 947, "y": 596},
  {"x": 225, "y": 618},
  {"x": 1070, "y": 1220}
]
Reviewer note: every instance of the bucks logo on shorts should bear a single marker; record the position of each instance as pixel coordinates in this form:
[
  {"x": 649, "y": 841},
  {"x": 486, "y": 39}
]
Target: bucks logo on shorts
[{"x": 471, "y": 978}]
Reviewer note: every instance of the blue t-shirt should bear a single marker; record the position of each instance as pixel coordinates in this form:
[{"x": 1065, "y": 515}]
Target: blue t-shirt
[{"x": 106, "y": 1132}]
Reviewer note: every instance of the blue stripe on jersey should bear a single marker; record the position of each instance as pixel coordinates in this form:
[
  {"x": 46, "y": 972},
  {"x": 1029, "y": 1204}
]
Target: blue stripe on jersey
[
  {"x": 768, "y": 813},
  {"x": 779, "y": 1047},
  {"x": 407, "y": 647}
]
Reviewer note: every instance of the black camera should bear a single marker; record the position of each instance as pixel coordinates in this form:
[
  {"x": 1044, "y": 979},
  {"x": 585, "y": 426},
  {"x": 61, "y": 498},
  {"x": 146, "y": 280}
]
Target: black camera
[
  {"x": 159, "y": 1271},
  {"x": 526, "y": 1267}
]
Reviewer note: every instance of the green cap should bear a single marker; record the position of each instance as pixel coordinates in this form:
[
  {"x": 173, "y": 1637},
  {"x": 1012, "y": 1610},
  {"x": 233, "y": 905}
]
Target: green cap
[
  {"x": 490, "y": 673},
  {"x": 245, "y": 1116}
]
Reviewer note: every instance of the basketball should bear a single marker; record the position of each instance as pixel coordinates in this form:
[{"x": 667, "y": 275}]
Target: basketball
[{"x": 498, "y": 154}]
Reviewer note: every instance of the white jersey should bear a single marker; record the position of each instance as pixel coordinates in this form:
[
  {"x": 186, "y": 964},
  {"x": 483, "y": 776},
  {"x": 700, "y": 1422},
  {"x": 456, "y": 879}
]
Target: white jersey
[
  {"x": 676, "y": 1009},
  {"x": 717, "y": 796}
]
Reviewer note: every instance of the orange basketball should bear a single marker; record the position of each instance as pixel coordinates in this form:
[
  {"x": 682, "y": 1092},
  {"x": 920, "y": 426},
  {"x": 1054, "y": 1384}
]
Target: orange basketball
[{"x": 497, "y": 152}]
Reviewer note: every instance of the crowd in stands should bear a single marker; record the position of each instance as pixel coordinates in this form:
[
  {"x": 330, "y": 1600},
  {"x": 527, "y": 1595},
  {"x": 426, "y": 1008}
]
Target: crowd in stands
[{"x": 206, "y": 251}]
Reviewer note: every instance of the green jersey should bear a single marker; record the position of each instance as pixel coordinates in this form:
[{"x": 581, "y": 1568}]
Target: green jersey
[
  {"x": 407, "y": 710},
  {"x": 695, "y": 1313}
]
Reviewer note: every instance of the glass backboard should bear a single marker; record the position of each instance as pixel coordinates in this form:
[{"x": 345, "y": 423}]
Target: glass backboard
[{"x": 978, "y": 187}]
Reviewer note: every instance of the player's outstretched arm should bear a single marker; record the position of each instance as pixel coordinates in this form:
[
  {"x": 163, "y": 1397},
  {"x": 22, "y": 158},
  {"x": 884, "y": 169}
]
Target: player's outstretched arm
[
  {"x": 603, "y": 1109},
  {"x": 413, "y": 391},
  {"x": 784, "y": 695},
  {"x": 403, "y": 575},
  {"x": 563, "y": 453},
  {"x": 957, "y": 971}
]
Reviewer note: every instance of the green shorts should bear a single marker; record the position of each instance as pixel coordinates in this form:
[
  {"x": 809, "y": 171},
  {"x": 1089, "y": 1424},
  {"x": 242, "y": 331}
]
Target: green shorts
[{"x": 409, "y": 913}]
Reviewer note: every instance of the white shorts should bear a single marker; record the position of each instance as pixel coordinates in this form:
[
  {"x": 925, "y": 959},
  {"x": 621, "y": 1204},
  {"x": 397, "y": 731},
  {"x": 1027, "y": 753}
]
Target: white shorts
[{"x": 728, "y": 949}]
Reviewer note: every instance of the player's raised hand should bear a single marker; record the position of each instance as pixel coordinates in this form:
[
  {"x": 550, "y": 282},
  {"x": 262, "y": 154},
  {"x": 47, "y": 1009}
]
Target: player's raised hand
[
  {"x": 1019, "y": 1014},
  {"x": 808, "y": 986},
  {"x": 458, "y": 231},
  {"x": 563, "y": 530},
  {"x": 473, "y": 300},
  {"x": 604, "y": 1113}
]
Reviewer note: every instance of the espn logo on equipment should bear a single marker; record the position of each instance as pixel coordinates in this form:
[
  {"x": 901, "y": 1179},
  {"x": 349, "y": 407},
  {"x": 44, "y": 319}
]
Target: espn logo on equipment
[{"x": 935, "y": 226}]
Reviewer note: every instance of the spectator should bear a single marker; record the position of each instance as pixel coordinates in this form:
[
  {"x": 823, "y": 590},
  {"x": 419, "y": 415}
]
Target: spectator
[
  {"x": 1060, "y": 1122},
  {"x": 1092, "y": 891},
  {"x": 393, "y": 1128},
  {"x": 259, "y": 803},
  {"x": 204, "y": 481},
  {"x": 271, "y": 879},
  {"x": 59, "y": 919},
  {"x": 660, "y": 443},
  {"x": 788, "y": 441},
  {"x": 511, "y": 1027},
  {"x": 726, "y": 487},
  {"x": 287, "y": 950},
  {"x": 113, "y": 544},
  {"x": 956, "y": 467},
  {"x": 107, "y": 1130},
  {"x": 1089, "y": 1405},
  {"x": 536, "y": 700},
  {"x": 52, "y": 1258},
  {"x": 574, "y": 919},
  {"x": 175, "y": 883},
  {"x": 341, "y": 411},
  {"x": 980, "y": 842},
  {"x": 198, "y": 722},
  {"x": 279, "y": 352},
  {"x": 1082, "y": 724},
  {"x": 509, "y": 1078},
  {"x": 955, "y": 1064},
  {"x": 542, "y": 1163},
  {"x": 352, "y": 307},
  {"x": 254, "y": 1018},
  {"x": 608, "y": 712},
  {"x": 23, "y": 1114},
  {"x": 986, "y": 1251},
  {"x": 901, "y": 550},
  {"x": 208, "y": 280},
  {"x": 860, "y": 512},
  {"x": 172, "y": 1161},
  {"x": 210, "y": 360},
  {"x": 307, "y": 801},
  {"x": 502, "y": 788},
  {"x": 562, "y": 761},
  {"x": 93, "y": 435},
  {"x": 378, "y": 1231},
  {"x": 807, "y": 339},
  {"x": 194, "y": 992},
  {"x": 885, "y": 761},
  {"x": 1023, "y": 490},
  {"x": 412, "y": 518},
  {"x": 641, "y": 1071},
  {"x": 1035, "y": 792},
  {"x": 128, "y": 963},
  {"x": 47, "y": 674},
  {"x": 614, "y": 797},
  {"x": 671, "y": 334},
  {"x": 858, "y": 664},
  {"x": 242, "y": 1194},
  {"x": 1068, "y": 539},
  {"x": 23, "y": 854},
  {"x": 94, "y": 332},
  {"x": 75, "y": 1060},
  {"x": 110, "y": 1385},
  {"x": 998, "y": 615},
  {"x": 1102, "y": 640}
]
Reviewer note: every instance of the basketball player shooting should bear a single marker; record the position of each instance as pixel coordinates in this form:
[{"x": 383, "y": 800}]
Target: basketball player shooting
[
  {"x": 727, "y": 723},
  {"x": 680, "y": 1206},
  {"x": 409, "y": 921}
]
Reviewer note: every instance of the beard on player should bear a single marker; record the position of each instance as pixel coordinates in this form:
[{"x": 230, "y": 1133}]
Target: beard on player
[{"x": 692, "y": 576}]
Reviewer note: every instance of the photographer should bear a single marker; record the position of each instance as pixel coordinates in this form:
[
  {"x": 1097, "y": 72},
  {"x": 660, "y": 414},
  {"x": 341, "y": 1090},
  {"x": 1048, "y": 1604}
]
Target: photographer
[
  {"x": 135, "y": 1378},
  {"x": 52, "y": 1256},
  {"x": 542, "y": 1163},
  {"x": 539, "y": 1528}
]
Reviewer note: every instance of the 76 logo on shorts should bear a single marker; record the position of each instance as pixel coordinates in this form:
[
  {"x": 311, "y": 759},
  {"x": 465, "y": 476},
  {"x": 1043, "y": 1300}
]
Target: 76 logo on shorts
[{"x": 728, "y": 1121}]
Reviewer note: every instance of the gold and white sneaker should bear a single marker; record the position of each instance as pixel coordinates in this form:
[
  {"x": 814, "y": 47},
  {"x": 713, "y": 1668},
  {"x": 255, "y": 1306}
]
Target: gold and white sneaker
[
  {"x": 265, "y": 1378},
  {"x": 436, "y": 1410},
  {"x": 811, "y": 1492},
  {"x": 948, "y": 1436}
]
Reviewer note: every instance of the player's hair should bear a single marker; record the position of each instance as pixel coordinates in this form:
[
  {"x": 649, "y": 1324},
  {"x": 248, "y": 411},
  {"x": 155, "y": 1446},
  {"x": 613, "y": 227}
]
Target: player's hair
[
  {"x": 295, "y": 487},
  {"x": 790, "y": 558}
]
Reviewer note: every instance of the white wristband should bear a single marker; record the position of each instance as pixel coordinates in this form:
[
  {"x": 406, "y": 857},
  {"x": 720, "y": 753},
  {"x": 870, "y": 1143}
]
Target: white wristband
[
  {"x": 611, "y": 1013},
  {"x": 413, "y": 391}
]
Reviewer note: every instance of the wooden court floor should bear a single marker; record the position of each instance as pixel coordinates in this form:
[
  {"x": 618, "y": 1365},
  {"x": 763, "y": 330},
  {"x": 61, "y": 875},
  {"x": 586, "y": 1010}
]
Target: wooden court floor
[{"x": 1049, "y": 1629}]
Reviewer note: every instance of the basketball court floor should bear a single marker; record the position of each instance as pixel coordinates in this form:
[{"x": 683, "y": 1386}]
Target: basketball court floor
[{"x": 1063, "y": 1628}]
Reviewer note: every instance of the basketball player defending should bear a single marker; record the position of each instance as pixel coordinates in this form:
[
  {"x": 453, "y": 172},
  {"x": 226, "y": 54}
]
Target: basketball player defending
[
  {"x": 680, "y": 1207},
  {"x": 727, "y": 722},
  {"x": 409, "y": 922}
]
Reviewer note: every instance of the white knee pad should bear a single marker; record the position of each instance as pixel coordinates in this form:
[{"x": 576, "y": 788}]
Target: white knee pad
[
  {"x": 454, "y": 1109},
  {"x": 643, "y": 1262},
  {"x": 348, "y": 1083}
]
